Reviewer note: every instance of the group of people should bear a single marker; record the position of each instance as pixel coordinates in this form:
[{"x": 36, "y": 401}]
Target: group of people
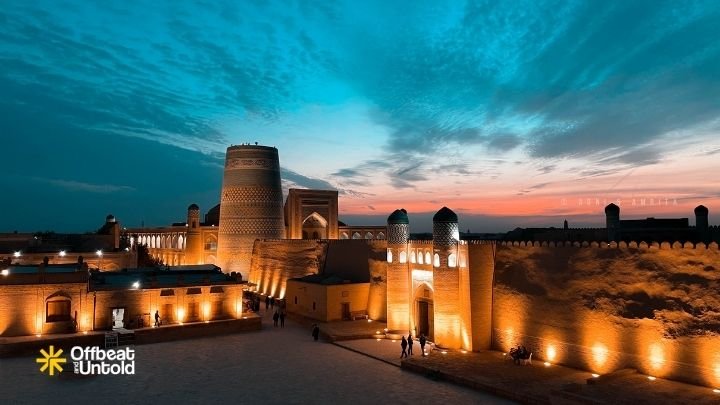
[
  {"x": 519, "y": 353},
  {"x": 279, "y": 315},
  {"x": 407, "y": 345}
]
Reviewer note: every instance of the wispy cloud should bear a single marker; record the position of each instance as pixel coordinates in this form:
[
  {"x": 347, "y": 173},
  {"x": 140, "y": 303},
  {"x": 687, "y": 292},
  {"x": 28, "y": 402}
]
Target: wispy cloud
[{"x": 79, "y": 186}]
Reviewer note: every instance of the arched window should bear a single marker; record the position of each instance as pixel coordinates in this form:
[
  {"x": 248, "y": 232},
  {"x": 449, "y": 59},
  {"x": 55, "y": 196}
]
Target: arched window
[
  {"x": 369, "y": 235},
  {"x": 380, "y": 235},
  {"x": 436, "y": 260},
  {"x": 389, "y": 256},
  {"x": 356, "y": 235},
  {"x": 403, "y": 257},
  {"x": 58, "y": 308},
  {"x": 344, "y": 235},
  {"x": 316, "y": 235},
  {"x": 452, "y": 260},
  {"x": 412, "y": 256},
  {"x": 427, "y": 258},
  {"x": 420, "y": 258}
]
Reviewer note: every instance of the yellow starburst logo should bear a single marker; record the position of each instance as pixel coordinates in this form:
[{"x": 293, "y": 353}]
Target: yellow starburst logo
[{"x": 51, "y": 361}]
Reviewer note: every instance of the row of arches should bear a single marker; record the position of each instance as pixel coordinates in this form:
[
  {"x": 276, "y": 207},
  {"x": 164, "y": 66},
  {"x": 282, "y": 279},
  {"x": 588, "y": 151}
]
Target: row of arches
[
  {"x": 422, "y": 258},
  {"x": 174, "y": 240}
]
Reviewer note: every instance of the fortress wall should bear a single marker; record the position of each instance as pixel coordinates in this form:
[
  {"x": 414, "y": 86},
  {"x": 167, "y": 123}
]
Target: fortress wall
[
  {"x": 602, "y": 309},
  {"x": 377, "y": 264},
  {"x": 275, "y": 261},
  {"x": 481, "y": 259}
]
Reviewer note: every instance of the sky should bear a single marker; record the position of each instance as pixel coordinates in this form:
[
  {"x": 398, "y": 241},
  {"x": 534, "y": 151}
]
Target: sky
[{"x": 513, "y": 113}]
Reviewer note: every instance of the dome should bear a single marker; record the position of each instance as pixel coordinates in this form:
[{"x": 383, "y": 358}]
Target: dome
[
  {"x": 445, "y": 215},
  {"x": 701, "y": 210},
  {"x": 398, "y": 217},
  {"x": 193, "y": 207},
  {"x": 110, "y": 218},
  {"x": 612, "y": 208}
]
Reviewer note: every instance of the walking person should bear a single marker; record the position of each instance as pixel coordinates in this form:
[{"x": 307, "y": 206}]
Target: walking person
[
  {"x": 315, "y": 332},
  {"x": 423, "y": 340},
  {"x": 282, "y": 319},
  {"x": 403, "y": 344},
  {"x": 272, "y": 303},
  {"x": 267, "y": 302},
  {"x": 157, "y": 318},
  {"x": 410, "y": 344},
  {"x": 276, "y": 316}
]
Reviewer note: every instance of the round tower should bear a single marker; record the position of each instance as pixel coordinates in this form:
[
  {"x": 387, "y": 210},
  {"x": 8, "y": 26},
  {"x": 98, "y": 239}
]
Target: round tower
[
  {"x": 398, "y": 281},
  {"x": 612, "y": 221},
  {"x": 446, "y": 280},
  {"x": 193, "y": 239},
  {"x": 251, "y": 205},
  {"x": 701, "y": 222}
]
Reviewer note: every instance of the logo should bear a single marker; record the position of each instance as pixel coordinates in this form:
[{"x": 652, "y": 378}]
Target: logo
[
  {"x": 51, "y": 361},
  {"x": 96, "y": 361}
]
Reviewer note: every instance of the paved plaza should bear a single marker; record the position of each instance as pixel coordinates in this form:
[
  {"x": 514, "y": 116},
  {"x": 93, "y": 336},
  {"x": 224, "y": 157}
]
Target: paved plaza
[{"x": 276, "y": 366}]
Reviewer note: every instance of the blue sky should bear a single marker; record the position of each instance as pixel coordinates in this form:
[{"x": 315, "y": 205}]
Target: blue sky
[{"x": 511, "y": 113}]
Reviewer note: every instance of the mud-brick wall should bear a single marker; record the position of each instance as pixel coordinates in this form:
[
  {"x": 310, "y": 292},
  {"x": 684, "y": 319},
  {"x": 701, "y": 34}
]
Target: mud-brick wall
[
  {"x": 276, "y": 261},
  {"x": 601, "y": 309}
]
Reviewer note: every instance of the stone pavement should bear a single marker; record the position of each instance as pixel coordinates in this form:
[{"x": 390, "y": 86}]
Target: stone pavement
[
  {"x": 492, "y": 372},
  {"x": 271, "y": 366}
]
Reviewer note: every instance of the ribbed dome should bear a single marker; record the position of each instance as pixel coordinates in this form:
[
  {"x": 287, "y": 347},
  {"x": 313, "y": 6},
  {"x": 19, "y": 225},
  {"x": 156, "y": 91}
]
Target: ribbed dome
[
  {"x": 701, "y": 210},
  {"x": 612, "y": 208},
  {"x": 193, "y": 207},
  {"x": 398, "y": 217},
  {"x": 445, "y": 215}
]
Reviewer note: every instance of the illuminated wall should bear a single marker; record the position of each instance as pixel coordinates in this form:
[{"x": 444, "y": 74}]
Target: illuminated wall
[
  {"x": 276, "y": 261},
  {"x": 654, "y": 308},
  {"x": 324, "y": 302}
]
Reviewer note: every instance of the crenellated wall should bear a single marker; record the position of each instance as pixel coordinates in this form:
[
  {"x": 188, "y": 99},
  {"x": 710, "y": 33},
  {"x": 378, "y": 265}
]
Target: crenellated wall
[{"x": 603, "y": 307}]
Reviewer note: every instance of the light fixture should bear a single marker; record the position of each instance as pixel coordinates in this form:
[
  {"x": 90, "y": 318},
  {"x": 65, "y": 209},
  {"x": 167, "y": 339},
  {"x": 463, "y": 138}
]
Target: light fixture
[
  {"x": 651, "y": 378},
  {"x": 99, "y": 253},
  {"x": 84, "y": 332},
  {"x": 444, "y": 352},
  {"x": 595, "y": 375},
  {"x": 136, "y": 285},
  {"x": 369, "y": 320},
  {"x": 17, "y": 254},
  {"x": 547, "y": 364},
  {"x": 716, "y": 390},
  {"x": 5, "y": 272},
  {"x": 62, "y": 253},
  {"x": 38, "y": 335}
]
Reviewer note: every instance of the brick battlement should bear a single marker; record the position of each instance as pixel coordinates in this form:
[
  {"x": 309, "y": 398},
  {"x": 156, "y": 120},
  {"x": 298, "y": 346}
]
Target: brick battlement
[{"x": 621, "y": 245}]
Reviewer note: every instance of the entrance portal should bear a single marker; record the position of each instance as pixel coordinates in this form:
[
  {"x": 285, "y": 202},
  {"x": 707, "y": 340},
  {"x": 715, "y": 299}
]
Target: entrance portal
[
  {"x": 118, "y": 314},
  {"x": 424, "y": 318}
]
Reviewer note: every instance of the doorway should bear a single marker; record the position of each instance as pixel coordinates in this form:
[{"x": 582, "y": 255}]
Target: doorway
[
  {"x": 424, "y": 322},
  {"x": 345, "y": 311},
  {"x": 118, "y": 315}
]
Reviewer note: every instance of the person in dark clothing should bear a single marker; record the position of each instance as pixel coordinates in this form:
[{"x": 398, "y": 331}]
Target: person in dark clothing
[
  {"x": 157, "y": 318},
  {"x": 276, "y": 316},
  {"x": 272, "y": 302},
  {"x": 315, "y": 332},
  {"x": 267, "y": 302},
  {"x": 403, "y": 344},
  {"x": 282, "y": 319},
  {"x": 423, "y": 340},
  {"x": 410, "y": 344}
]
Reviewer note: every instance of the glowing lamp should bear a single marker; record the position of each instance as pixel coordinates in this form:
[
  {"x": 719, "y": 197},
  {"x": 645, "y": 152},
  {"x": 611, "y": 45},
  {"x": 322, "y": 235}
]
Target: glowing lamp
[
  {"x": 5, "y": 272},
  {"x": 62, "y": 253},
  {"x": 716, "y": 390},
  {"x": 463, "y": 351},
  {"x": 369, "y": 320},
  {"x": 17, "y": 254},
  {"x": 136, "y": 285},
  {"x": 85, "y": 333},
  {"x": 38, "y": 335},
  {"x": 595, "y": 375},
  {"x": 547, "y": 364},
  {"x": 377, "y": 332},
  {"x": 378, "y": 340},
  {"x": 99, "y": 253},
  {"x": 444, "y": 352},
  {"x": 550, "y": 353},
  {"x": 651, "y": 378}
]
